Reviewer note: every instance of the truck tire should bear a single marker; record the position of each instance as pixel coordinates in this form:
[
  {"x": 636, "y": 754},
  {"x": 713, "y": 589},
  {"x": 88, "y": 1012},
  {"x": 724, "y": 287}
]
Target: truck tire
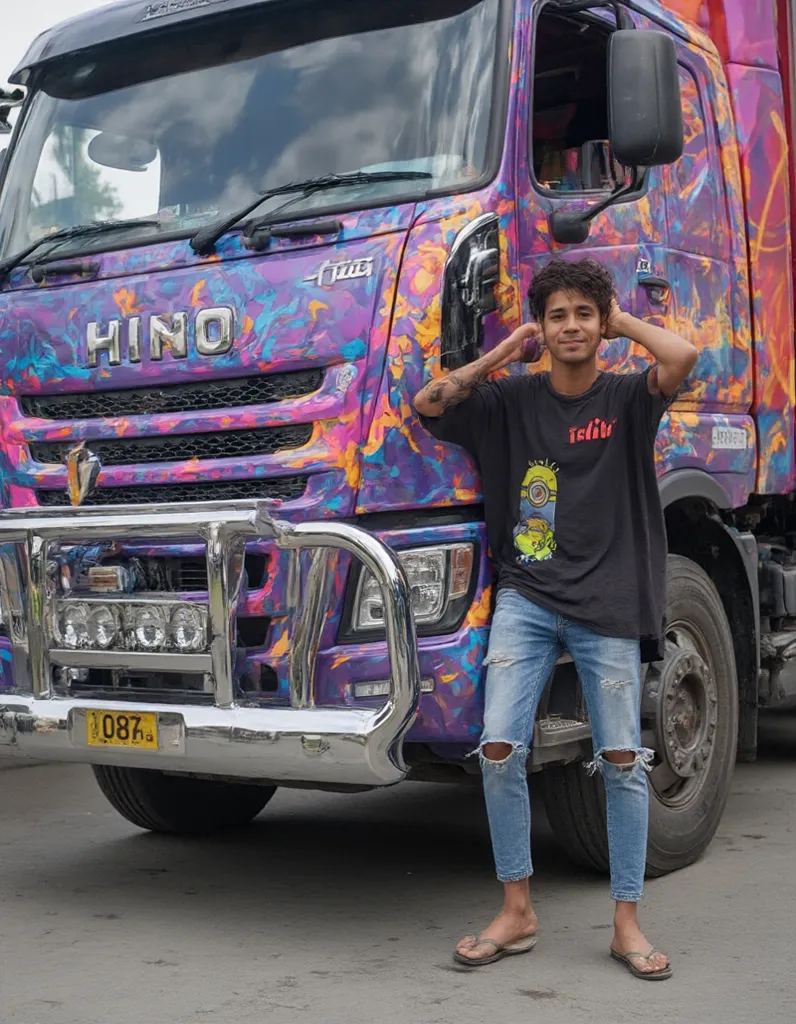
[
  {"x": 179, "y": 804},
  {"x": 689, "y": 717}
]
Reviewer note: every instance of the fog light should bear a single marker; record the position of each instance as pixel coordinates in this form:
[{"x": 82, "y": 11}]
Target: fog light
[
  {"x": 103, "y": 625},
  {"x": 73, "y": 626},
  {"x": 188, "y": 628},
  {"x": 150, "y": 627}
]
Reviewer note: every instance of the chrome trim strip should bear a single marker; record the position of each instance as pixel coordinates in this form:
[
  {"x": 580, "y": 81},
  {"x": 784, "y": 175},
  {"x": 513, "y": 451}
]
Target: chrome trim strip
[
  {"x": 161, "y": 661},
  {"x": 315, "y": 600},
  {"x": 35, "y": 562}
]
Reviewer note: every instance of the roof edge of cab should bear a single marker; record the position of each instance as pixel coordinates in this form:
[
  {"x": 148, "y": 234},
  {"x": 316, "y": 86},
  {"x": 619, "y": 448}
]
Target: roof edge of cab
[{"x": 124, "y": 19}]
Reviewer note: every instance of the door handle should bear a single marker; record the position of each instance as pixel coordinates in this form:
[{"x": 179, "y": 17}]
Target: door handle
[{"x": 656, "y": 288}]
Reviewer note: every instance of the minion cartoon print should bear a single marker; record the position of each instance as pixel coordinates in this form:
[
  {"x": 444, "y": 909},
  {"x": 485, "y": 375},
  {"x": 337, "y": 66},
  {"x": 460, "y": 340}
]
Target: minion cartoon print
[{"x": 535, "y": 534}]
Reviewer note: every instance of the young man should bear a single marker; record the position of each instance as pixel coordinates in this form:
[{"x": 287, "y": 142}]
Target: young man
[{"x": 576, "y": 528}]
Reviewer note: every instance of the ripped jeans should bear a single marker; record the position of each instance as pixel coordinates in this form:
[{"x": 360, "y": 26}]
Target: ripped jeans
[{"x": 525, "y": 643}]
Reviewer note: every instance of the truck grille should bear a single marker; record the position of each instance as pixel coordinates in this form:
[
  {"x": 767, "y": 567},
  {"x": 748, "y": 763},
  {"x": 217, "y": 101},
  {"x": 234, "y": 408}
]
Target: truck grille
[
  {"x": 286, "y": 488},
  {"x": 174, "y": 398},
  {"x": 223, "y": 444}
]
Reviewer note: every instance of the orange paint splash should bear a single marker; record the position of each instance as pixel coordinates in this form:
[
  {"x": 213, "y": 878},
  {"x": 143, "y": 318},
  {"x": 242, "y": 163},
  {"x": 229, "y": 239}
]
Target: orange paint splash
[
  {"x": 126, "y": 302},
  {"x": 196, "y": 292}
]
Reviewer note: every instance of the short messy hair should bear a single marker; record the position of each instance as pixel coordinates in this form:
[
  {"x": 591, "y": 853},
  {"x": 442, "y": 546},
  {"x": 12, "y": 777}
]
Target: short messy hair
[{"x": 586, "y": 276}]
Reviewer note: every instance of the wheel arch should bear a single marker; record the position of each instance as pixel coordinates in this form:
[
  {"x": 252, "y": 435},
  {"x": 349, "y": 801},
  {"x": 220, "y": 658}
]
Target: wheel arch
[{"x": 693, "y": 503}]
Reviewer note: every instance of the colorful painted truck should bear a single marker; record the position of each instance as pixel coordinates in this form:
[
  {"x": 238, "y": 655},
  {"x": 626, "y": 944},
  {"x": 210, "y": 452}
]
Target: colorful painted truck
[{"x": 236, "y": 238}]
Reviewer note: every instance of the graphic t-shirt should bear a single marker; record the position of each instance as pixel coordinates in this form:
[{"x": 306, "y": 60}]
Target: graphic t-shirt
[{"x": 571, "y": 497}]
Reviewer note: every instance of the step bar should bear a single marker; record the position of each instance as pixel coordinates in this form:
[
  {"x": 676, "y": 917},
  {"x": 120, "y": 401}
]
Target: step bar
[{"x": 299, "y": 743}]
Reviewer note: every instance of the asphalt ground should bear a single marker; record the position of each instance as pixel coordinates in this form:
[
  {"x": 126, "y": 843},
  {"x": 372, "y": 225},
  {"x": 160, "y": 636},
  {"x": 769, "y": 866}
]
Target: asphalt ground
[{"x": 345, "y": 909}]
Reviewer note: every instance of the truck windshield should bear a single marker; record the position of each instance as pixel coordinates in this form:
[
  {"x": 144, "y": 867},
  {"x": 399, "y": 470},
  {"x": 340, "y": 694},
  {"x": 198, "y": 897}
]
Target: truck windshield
[{"x": 181, "y": 135}]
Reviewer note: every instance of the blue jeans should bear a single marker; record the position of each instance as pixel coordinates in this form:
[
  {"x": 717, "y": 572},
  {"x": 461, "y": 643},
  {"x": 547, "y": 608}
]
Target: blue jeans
[{"x": 525, "y": 643}]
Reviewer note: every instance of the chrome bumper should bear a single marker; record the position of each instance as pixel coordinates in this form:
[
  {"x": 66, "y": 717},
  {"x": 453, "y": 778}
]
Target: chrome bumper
[{"x": 300, "y": 743}]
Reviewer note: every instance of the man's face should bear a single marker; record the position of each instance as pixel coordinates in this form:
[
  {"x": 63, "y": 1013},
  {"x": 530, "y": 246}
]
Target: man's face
[{"x": 572, "y": 328}]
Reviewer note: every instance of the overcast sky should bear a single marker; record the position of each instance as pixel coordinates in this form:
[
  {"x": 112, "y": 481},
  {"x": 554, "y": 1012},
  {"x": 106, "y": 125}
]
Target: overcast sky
[{"x": 26, "y": 19}]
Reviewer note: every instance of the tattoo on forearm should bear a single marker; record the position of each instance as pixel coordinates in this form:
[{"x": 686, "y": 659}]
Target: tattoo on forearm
[{"x": 453, "y": 389}]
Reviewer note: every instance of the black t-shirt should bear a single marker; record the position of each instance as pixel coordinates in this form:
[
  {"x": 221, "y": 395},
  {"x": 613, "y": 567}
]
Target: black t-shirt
[{"x": 573, "y": 512}]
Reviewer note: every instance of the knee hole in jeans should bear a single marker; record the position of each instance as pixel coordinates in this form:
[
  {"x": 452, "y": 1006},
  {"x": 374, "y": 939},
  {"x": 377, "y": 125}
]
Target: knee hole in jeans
[
  {"x": 622, "y": 760},
  {"x": 497, "y": 751},
  {"x": 620, "y": 757},
  {"x": 497, "y": 755}
]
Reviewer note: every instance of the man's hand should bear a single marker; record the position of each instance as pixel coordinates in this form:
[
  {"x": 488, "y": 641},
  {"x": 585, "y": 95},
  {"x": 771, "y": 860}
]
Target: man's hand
[
  {"x": 615, "y": 325},
  {"x": 523, "y": 345}
]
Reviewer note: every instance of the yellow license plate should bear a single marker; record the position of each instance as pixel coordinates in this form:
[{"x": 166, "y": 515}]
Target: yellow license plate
[{"x": 138, "y": 729}]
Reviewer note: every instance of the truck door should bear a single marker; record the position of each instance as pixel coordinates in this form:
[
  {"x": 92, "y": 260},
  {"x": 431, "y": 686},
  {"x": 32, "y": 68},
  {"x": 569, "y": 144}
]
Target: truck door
[
  {"x": 565, "y": 162},
  {"x": 708, "y": 300}
]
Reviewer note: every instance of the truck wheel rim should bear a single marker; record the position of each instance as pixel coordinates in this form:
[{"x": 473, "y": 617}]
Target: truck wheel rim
[{"x": 681, "y": 706}]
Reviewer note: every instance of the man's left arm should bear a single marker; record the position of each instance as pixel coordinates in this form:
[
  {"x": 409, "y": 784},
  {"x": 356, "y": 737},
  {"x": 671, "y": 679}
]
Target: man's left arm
[{"x": 674, "y": 356}]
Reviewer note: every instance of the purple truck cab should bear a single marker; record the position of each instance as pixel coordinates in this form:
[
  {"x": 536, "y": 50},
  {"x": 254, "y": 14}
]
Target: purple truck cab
[{"x": 236, "y": 238}]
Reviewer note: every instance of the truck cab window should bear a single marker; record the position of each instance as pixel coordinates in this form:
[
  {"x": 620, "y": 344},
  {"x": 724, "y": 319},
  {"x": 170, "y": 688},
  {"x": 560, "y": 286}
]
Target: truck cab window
[
  {"x": 569, "y": 129},
  {"x": 193, "y": 132},
  {"x": 86, "y": 175}
]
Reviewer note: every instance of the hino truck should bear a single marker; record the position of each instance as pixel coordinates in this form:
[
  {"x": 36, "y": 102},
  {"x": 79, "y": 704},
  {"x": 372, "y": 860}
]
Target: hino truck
[{"x": 236, "y": 238}]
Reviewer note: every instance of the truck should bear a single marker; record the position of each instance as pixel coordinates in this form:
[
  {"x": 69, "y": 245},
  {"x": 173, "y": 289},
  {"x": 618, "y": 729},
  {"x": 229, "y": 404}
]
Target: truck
[{"x": 236, "y": 238}]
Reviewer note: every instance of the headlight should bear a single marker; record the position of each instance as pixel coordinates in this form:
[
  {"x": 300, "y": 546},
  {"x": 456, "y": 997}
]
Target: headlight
[
  {"x": 188, "y": 628},
  {"x": 103, "y": 626},
  {"x": 72, "y": 626},
  {"x": 149, "y": 626},
  {"x": 439, "y": 583}
]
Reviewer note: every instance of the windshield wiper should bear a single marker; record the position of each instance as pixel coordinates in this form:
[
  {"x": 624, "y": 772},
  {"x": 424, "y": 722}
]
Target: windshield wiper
[
  {"x": 66, "y": 235},
  {"x": 204, "y": 241}
]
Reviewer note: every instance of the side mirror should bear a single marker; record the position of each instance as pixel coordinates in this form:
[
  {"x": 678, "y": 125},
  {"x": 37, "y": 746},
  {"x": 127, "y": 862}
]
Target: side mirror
[
  {"x": 645, "y": 119},
  {"x": 9, "y": 100}
]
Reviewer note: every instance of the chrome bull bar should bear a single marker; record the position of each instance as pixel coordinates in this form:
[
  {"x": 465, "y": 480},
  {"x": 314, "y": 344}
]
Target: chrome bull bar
[{"x": 299, "y": 743}]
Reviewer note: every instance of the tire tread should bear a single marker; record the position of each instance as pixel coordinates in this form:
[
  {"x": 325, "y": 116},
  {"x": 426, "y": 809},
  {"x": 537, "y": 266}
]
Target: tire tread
[{"x": 179, "y": 805}]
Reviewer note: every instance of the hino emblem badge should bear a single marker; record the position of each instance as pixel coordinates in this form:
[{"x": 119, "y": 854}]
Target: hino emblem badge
[
  {"x": 82, "y": 470},
  {"x": 330, "y": 273},
  {"x": 211, "y": 332}
]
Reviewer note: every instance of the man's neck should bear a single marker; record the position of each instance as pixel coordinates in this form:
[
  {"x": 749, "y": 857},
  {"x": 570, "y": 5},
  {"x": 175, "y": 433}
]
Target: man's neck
[{"x": 573, "y": 380}]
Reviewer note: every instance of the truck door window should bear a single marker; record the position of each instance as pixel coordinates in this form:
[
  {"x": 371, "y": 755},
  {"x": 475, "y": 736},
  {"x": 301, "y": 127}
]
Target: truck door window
[{"x": 569, "y": 128}]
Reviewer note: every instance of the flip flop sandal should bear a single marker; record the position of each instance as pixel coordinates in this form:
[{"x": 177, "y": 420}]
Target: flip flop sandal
[
  {"x": 627, "y": 961},
  {"x": 515, "y": 949}
]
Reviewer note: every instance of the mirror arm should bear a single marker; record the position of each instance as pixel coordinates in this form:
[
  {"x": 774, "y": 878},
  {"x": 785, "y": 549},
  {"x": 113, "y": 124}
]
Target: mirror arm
[
  {"x": 623, "y": 19},
  {"x": 572, "y": 228}
]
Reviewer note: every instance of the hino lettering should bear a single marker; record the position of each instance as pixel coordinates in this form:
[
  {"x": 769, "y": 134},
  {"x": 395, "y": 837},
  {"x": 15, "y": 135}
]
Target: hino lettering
[{"x": 213, "y": 335}]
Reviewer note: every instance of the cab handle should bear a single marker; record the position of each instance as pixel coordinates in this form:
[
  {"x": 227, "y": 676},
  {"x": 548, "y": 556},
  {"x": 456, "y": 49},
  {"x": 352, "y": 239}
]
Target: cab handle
[{"x": 657, "y": 289}]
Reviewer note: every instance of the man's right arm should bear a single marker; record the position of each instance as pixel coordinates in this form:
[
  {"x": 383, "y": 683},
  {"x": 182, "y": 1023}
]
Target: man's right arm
[{"x": 443, "y": 393}]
